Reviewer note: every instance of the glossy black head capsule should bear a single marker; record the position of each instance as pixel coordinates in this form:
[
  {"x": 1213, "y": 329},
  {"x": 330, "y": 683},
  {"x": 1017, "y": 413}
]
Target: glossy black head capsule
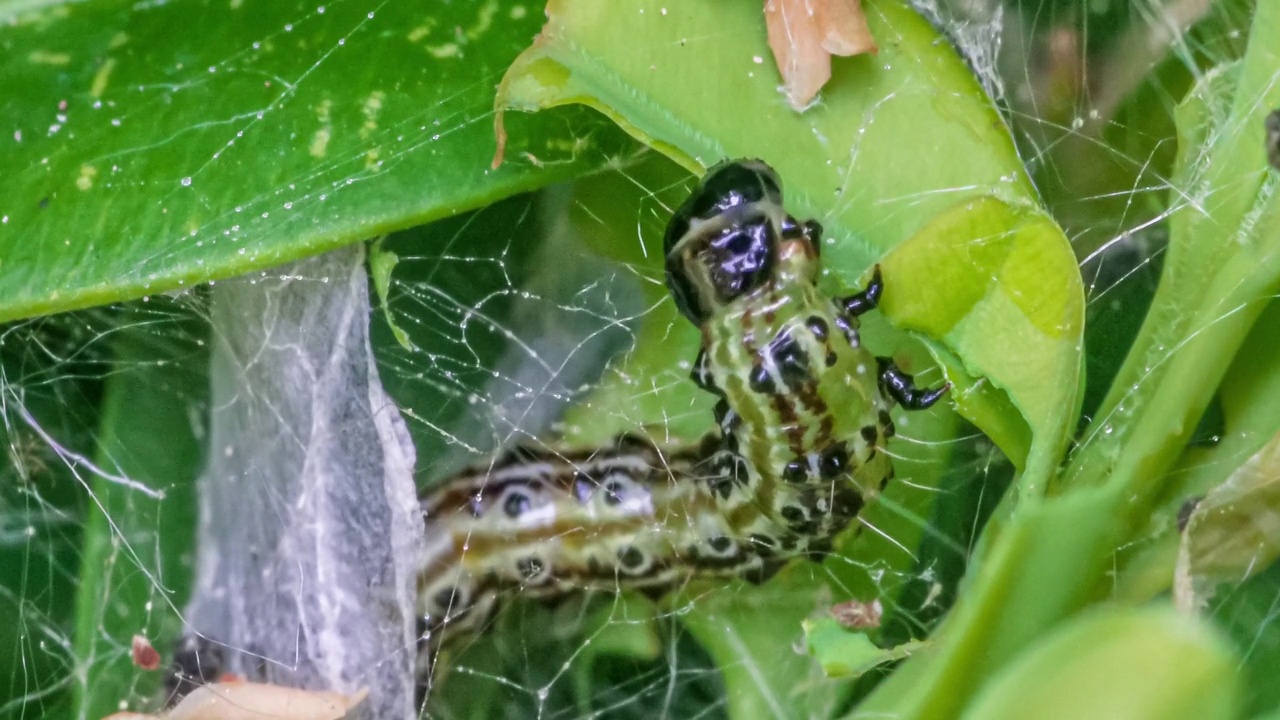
[{"x": 723, "y": 241}]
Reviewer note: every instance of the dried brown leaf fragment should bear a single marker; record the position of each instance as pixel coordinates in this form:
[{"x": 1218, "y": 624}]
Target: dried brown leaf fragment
[
  {"x": 240, "y": 700},
  {"x": 858, "y": 615},
  {"x": 804, "y": 34}
]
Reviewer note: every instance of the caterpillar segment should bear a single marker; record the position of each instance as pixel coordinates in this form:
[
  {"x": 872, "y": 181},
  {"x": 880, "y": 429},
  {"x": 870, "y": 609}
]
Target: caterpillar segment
[{"x": 632, "y": 515}]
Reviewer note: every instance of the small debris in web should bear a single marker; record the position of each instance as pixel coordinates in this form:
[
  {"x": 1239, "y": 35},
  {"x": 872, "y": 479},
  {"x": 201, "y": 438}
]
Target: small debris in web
[
  {"x": 239, "y": 700},
  {"x": 1185, "y": 512},
  {"x": 144, "y": 655},
  {"x": 804, "y": 34},
  {"x": 196, "y": 660},
  {"x": 858, "y": 615},
  {"x": 1273, "y": 139}
]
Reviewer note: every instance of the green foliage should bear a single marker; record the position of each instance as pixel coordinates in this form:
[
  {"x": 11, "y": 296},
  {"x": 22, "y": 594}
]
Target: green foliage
[
  {"x": 1120, "y": 663},
  {"x": 144, "y": 160}
]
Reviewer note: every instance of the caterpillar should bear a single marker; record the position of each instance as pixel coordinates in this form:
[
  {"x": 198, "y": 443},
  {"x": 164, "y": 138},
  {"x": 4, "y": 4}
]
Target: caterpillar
[{"x": 801, "y": 423}]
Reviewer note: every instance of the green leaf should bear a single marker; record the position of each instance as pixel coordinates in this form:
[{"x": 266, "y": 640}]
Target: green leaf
[
  {"x": 1120, "y": 664},
  {"x": 844, "y": 653},
  {"x": 141, "y": 160},
  {"x": 1007, "y": 301},
  {"x": 1047, "y": 559},
  {"x": 381, "y": 263},
  {"x": 867, "y": 177}
]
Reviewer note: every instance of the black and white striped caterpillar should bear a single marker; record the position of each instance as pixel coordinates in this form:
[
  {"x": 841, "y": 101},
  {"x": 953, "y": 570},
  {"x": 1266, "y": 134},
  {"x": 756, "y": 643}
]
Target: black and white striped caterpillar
[{"x": 803, "y": 417}]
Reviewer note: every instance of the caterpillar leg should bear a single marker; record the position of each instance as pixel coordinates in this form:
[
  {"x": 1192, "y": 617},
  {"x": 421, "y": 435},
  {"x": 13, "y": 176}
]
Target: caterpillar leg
[
  {"x": 810, "y": 230},
  {"x": 866, "y": 300},
  {"x": 902, "y": 387}
]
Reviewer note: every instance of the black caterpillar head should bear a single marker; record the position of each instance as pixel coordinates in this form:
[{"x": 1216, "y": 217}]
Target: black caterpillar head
[{"x": 723, "y": 241}]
